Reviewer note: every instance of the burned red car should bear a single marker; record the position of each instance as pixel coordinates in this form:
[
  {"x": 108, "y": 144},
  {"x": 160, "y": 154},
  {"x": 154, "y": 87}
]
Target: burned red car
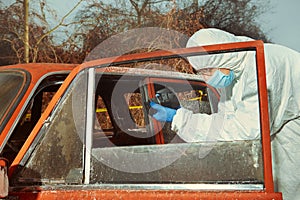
[{"x": 97, "y": 139}]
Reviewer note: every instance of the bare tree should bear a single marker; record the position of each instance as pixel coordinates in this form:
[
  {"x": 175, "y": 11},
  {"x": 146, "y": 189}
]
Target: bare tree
[
  {"x": 49, "y": 30},
  {"x": 102, "y": 20},
  {"x": 99, "y": 20},
  {"x": 236, "y": 16},
  {"x": 26, "y": 30},
  {"x": 12, "y": 34},
  {"x": 143, "y": 8},
  {"x": 28, "y": 33}
]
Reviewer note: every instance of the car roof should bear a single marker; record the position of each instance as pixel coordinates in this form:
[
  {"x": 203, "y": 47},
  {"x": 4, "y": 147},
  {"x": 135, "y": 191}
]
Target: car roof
[{"x": 38, "y": 70}]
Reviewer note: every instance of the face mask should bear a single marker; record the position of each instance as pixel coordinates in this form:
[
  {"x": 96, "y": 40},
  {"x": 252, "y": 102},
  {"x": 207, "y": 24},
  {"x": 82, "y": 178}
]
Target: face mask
[{"x": 220, "y": 80}]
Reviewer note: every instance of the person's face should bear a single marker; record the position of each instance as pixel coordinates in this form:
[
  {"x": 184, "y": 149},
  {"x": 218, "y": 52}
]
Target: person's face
[{"x": 208, "y": 72}]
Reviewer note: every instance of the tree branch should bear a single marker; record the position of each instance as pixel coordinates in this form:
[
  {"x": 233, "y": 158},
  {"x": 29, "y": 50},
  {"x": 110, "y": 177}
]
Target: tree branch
[{"x": 53, "y": 29}]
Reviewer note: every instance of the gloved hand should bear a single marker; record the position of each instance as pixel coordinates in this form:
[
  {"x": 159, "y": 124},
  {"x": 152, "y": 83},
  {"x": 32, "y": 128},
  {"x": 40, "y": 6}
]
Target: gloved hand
[{"x": 163, "y": 114}]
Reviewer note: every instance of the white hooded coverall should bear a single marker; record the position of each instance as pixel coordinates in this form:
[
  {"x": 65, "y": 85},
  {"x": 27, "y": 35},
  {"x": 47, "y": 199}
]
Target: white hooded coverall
[{"x": 238, "y": 114}]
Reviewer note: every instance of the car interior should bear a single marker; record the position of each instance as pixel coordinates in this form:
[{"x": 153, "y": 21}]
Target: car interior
[{"x": 123, "y": 116}]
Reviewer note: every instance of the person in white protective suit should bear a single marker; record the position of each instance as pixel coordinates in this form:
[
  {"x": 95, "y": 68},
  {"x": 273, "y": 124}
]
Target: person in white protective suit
[{"x": 238, "y": 113}]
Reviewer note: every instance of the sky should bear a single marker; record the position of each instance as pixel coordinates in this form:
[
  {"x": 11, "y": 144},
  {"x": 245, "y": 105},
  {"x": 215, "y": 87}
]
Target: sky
[{"x": 281, "y": 23}]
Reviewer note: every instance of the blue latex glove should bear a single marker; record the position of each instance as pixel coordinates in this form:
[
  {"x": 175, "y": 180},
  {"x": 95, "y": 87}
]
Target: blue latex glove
[{"x": 163, "y": 114}]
